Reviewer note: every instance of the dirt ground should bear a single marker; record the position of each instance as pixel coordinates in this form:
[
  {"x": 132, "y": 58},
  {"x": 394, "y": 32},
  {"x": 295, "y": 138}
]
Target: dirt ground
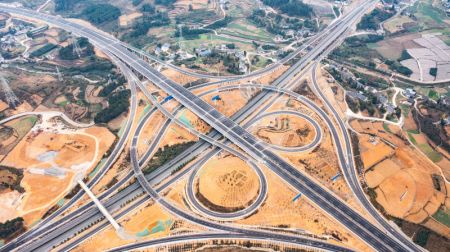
[
  {"x": 228, "y": 102},
  {"x": 196, "y": 4},
  {"x": 149, "y": 131},
  {"x": 10, "y": 200},
  {"x": 126, "y": 20},
  {"x": 178, "y": 77},
  {"x": 401, "y": 178},
  {"x": 396, "y": 24},
  {"x": 139, "y": 225},
  {"x": 281, "y": 130},
  {"x": 27, "y": 152},
  {"x": 331, "y": 90},
  {"x": 228, "y": 182},
  {"x": 269, "y": 78},
  {"x": 3, "y": 106},
  {"x": 41, "y": 150},
  {"x": 374, "y": 150},
  {"x": 191, "y": 120},
  {"x": 42, "y": 192},
  {"x": 392, "y": 48},
  {"x": 279, "y": 210}
]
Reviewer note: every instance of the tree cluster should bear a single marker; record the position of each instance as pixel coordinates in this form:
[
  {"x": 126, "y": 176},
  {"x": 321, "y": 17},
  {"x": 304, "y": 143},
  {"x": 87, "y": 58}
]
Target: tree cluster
[
  {"x": 101, "y": 13},
  {"x": 372, "y": 20},
  {"x": 11, "y": 227},
  {"x": 291, "y": 7},
  {"x": 118, "y": 103},
  {"x": 165, "y": 154},
  {"x": 65, "y": 5},
  {"x": 68, "y": 52}
]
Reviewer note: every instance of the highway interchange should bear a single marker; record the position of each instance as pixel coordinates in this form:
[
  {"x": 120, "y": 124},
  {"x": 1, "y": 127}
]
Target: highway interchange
[{"x": 227, "y": 130}]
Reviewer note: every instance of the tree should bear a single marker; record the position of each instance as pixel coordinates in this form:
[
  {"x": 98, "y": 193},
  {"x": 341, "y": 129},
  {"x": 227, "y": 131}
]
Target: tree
[
  {"x": 148, "y": 8},
  {"x": 64, "y": 5},
  {"x": 100, "y": 13},
  {"x": 291, "y": 7},
  {"x": 11, "y": 227},
  {"x": 118, "y": 103}
]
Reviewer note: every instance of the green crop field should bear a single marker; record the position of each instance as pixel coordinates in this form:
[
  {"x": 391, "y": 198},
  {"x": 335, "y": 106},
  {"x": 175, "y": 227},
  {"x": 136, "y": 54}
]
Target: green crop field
[
  {"x": 411, "y": 138},
  {"x": 248, "y": 31},
  {"x": 386, "y": 128},
  {"x": 443, "y": 217},
  {"x": 431, "y": 154}
]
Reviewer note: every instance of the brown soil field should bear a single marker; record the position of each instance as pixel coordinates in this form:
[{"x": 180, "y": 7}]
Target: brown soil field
[
  {"x": 373, "y": 150},
  {"x": 117, "y": 171},
  {"x": 269, "y": 78},
  {"x": 71, "y": 152},
  {"x": 280, "y": 211},
  {"x": 22, "y": 108},
  {"x": 27, "y": 151},
  {"x": 175, "y": 134},
  {"x": 196, "y": 4},
  {"x": 402, "y": 180},
  {"x": 178, "y": 77},
  {"x": 42, "y": 192},
  {"x": 146, "y": 217},
  {"x": 438, "y": 227},
  {"x": 385, "y": 169},
  {"x": 149, "y": 131},
  {"x": 396, "y": 24},
  {"x": 409, "y": 123},
  {"x": 191, "y": 120},
  {"x": 377, "y": 129},
  {"x": 52, "y": 32},
  {"x": 126, "y": 20},
  {"x": 116, "y": 123},
  {"x": 333, "y": 91},
  {"x": 392, "y": 48},
  {"x": 396, "y": 193},
  {"x": 100, "y": 54},
  {"x": 281, "y": 130},
  {"x": 91, "y": 94},
  {"x": 3, "y": 106},
  {"x": 228, "y": 182},
  {"x": 230, "y": 102},
  {"x": 10, "y": 200}
]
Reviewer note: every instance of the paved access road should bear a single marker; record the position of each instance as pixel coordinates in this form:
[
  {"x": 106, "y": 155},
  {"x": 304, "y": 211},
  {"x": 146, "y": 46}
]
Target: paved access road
[
  {"x": 248, "y": 143},
  {"x": 236, "y": 134}
]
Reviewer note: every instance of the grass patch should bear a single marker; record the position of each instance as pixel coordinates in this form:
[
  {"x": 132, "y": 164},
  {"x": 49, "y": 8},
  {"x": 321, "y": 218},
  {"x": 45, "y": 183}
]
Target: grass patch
[
  {"x": 443, "y": 216},
  {"x": 245, "y": 30},
  {"x": 373, "y": 46},
  {"x": 432, "y": 94},
  {"x": 212, "y": 40},
  {"x": 63, "y": 103},
  {"x": 428, "y": 10},
  {"x": 24, "y": 125},
  {"x": 415, "y": 132},
  {"x": 430, "y": 152},
  {"x": 405, "y": 110},
  {"x": 411, "y": 138},
  {"x": 165, "y": 154},
  {"x": 386, "y": 128}
]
